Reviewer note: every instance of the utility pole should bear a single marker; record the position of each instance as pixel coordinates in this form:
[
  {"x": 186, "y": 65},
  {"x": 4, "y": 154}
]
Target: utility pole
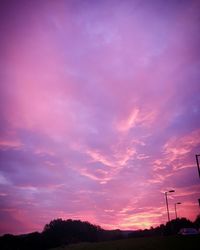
[
  {"x": 177, "y": 203},
  {"x": 170, "y": 191},
  {"x": 197, "y": 160}
]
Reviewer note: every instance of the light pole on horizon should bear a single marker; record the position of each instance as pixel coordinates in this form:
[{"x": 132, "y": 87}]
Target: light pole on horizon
[
  {"x": 170, "y": 191},
  {"x": 197, "y": 160},
  {"x": 177, "y": 203}
]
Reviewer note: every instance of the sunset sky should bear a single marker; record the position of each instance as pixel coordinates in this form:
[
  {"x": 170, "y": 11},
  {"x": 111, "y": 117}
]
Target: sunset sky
[{"x": 99, "y": 111}]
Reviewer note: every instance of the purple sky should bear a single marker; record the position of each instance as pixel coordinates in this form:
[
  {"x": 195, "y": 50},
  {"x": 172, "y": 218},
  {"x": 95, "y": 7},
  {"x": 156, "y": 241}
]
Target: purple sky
[{"x": 100, "y": 112}]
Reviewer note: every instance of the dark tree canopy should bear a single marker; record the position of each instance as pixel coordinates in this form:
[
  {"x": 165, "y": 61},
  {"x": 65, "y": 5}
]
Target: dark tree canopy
[
  {"x": 197, "y": 222},
  {"x": 60, "y": 231}
]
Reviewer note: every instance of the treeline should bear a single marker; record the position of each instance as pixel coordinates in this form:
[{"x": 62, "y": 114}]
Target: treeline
[
  {"x": 62, "y": 232},
  {"x": 172, "y": 227},
  {"x": 57, "y": 233}
]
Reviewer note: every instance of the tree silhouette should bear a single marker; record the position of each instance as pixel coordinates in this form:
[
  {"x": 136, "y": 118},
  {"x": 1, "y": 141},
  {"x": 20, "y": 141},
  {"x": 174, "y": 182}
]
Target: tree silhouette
[
  {"x": 174, "y": 226},
  {"x": 59, "y": 232},
  {"x": 197, "y": 222}
]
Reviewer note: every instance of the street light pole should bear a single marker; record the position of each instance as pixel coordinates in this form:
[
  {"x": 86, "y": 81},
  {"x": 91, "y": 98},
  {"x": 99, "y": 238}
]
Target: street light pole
[
  {"x": 197, "y": 160},
  {"x": 170, "y": 191},
  {"x": 167, "y": 206},
  {"x": 175, "y": 208}
]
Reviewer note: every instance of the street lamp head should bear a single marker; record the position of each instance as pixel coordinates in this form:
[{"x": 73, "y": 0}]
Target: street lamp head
[
  {"x": 178, "y": 203},
  {"x": 171, "y": 191}
]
